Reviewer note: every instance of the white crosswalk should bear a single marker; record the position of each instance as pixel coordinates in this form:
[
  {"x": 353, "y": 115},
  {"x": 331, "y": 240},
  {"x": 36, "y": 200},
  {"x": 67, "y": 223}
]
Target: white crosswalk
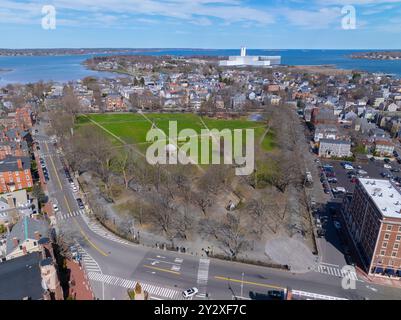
[
  {"x": 335, "y": 271},
  {"x": 203, "y": 277},
  {"x": 103, "y": 232},
  {"x": 65, "y": 216},
  {"x": 203, "y": 272},
  {"x": 314, "y": 296},
  {"x": 153, "y": 290},
  {"x": 89, "y": 263}
]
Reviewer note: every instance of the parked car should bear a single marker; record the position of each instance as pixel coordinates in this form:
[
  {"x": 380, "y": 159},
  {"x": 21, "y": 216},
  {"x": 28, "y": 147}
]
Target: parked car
[
  {"x": 395, "y": 170},
  {"x": 55, "y": 207},
  {"x": 80, "y": 203},
  {"x": 348, "y": 167},
  {"x": 332, "y": 180},
  {"x": 339, "y": 190},
  {"x": 275, "y": 294},
  {"x": 386, "y": 160},
  {"x": 190, "y": 292},
  {"x": 387, "y": 166}
]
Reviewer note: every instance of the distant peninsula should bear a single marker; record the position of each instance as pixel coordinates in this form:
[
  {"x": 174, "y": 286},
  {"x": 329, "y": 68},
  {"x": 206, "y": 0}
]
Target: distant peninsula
[
  {"x": 82, "y": 51},
  {"x": 67, "y": 51},
  {"x": 378, "y": 55}
]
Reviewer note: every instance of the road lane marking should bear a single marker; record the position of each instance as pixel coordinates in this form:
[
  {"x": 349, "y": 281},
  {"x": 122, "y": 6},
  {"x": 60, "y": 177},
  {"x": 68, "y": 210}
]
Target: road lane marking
[
  {"x": 54, "y": 168},
  {"x": 87, "y": 239},
  {"x": 69, "y": 210},
  {"x": 249, "y": 282},
  {"x": 160, "y": 269},
  {"x": 153, "y": 290}
]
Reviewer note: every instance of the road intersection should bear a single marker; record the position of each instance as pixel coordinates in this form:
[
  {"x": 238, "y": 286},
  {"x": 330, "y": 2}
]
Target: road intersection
[{"x": 165, "y": 274}]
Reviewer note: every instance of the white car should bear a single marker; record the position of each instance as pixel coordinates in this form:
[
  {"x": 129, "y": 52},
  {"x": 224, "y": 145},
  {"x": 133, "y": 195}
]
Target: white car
[
  {"x": 339, "y": 190},
  {"x": 55, "y": 207},
  {"x": 387, "y": 166},
  {"x": 348, "y": 167},
  {"x": 337, "y": 225},
  {"x": 362, "y": 172},
  {"x": 190, "y": 292},
  {"x": 75, "y": 189}
]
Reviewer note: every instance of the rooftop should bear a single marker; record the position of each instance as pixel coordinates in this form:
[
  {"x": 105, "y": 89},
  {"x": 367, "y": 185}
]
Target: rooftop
[
  {"x": 21, "y": 278},
  {"x": 385, "y": 195},
  {"x": 24, "y": 230}
]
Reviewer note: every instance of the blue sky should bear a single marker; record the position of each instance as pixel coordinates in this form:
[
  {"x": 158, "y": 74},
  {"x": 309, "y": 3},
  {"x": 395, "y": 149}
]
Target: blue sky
[{"x": 267, "y": 24}]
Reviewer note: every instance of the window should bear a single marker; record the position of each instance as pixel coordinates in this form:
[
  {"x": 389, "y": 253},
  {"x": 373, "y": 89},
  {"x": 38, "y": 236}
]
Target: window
[
  {"x": 386, "y": 236},
  {"x": 29, "y": 184},
  {"x": 20, "y": 247},
  {"x": 399, "y": 229},
  {"x": 384, "y": 245},
  {"x": 382, "y": 253},
  {"x": 394, "y": 254},
  {"x": 398, "y": 238},
  {"x": 35, "y": 243},
  {"x": 389, "y": 227},
  {"x": 396, "y": 246}
]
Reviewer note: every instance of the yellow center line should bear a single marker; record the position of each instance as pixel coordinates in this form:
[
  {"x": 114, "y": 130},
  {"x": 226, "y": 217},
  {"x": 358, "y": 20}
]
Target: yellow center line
[
  {"x": 69, "y": 210},
  {"x": 249, "y": 282},
  {"x": 160, "y": 269}
]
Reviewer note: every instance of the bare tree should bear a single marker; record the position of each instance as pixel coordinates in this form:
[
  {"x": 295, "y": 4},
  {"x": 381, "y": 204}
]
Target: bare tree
[{"x": 229, "y": 234}]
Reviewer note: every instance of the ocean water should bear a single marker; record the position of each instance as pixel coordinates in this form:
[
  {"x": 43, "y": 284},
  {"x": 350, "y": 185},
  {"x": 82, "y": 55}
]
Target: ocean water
[{"x": 26, "y": 69}]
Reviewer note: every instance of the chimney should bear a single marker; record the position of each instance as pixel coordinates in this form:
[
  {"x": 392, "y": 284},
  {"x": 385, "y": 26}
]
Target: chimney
[
  {"x": 37, "y": 235},
  {"x": 15, "y": 241},
  {"x": 19, "y": 162}
]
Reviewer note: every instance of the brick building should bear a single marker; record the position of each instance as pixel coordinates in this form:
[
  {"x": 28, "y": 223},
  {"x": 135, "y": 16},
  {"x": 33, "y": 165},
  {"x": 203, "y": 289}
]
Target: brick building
[
  {"x": 373, "y": 219},
  {"x": 23, "y": 118},
  {"x": 115, "y": 102},
  {"x": 15, "y": 173}
]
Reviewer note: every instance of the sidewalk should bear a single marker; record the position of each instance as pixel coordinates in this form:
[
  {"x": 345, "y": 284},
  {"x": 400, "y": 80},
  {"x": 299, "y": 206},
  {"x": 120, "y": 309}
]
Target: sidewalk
[
  {"x": 379, "y": 280},
  {"x": 79, "y": 284}
]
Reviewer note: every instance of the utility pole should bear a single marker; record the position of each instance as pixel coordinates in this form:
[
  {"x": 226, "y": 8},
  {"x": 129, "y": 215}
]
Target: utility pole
[{"x": 242, "y": 285}]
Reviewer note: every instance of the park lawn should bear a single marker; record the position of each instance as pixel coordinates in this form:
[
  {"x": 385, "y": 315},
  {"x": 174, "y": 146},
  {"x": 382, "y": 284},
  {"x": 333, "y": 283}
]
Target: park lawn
[{"x": 133, "y": 127}]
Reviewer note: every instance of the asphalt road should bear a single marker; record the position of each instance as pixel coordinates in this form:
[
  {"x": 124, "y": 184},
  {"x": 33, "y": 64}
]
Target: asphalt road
[{"x": 165, "y": 274}]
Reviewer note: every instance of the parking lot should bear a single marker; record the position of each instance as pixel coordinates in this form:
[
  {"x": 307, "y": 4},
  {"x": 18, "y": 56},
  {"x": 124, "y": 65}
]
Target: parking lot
[{"x": 339, "y": 177}]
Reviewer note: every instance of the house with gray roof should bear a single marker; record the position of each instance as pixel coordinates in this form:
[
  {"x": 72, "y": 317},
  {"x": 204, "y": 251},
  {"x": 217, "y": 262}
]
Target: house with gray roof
[
  {"x": 24, "y": 237},
  {"x": 330, "y": 148}
]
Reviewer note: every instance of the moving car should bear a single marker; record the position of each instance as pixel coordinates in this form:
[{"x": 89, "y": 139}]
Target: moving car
[
  {"x": 332, "y": 180},
  {"x": 387, "y": 166},
  {"x": 190, "y": 292},
  {"x": 55, "y": 207},
  {"x": 348, "y": 167}
]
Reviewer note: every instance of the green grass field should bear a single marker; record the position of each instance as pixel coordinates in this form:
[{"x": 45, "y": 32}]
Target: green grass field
[{"x": 133, "y": 127}]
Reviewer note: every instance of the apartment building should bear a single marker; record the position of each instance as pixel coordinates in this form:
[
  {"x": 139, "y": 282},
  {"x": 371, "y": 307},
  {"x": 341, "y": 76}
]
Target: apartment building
[
  {"x": 373, "y": 219},
  {"x": 15, "y": 174}
]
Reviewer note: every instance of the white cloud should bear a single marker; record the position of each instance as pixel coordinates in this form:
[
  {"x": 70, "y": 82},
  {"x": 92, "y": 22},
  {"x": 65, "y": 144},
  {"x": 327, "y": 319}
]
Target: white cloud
[{"x": 318, "y": 19}]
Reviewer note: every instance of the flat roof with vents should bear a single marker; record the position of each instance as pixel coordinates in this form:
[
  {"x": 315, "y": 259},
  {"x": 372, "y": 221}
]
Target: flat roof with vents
[{"x": 385, "y": 195}]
